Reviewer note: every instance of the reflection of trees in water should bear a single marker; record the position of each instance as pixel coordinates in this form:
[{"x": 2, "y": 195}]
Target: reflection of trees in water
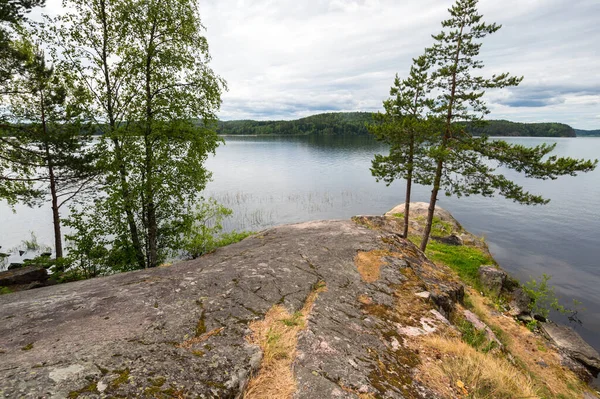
[{"x": 252, "y": 212}]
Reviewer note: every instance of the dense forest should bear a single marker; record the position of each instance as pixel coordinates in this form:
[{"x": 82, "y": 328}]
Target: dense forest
[
  {"x": 340, "y": 123},
  {"x": 355, "y": 124},
  {"x": 507, "y": 128},
  {"x": 587, "y": 133}
]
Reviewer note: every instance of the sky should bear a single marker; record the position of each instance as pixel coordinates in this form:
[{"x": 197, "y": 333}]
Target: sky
[{"x": 286, "y": 59}]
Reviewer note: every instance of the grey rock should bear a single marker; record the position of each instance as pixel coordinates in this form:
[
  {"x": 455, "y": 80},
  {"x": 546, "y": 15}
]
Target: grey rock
[
  {"x": 23, "y": 275},
  {"x": 481, "y": 326},
  {"x": 525, "y": 318},
  {"x": 424, "y": 295},
  {"x": 122, "y": 333},
  {"x": 571, "y": 343},
  {"x": 492, "y": 278},
  {"x": 579, "y": 369},
  {"x": 519, "y": 304},
  {"x": 452, "y": 239},
  {"x": 422, "y": 208}
]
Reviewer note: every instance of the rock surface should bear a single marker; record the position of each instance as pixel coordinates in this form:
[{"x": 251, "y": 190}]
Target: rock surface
[
  {"x": 181, "y": 331},
  {"x": 23, "y": 275},
  {"x": 481, "y": 326},
  {"x": 492, "y": 278},
  {"x": 568, "y": 341}
]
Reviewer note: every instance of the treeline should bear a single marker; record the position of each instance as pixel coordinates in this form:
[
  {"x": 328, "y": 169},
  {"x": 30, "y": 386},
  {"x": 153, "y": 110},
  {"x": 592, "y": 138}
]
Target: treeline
[
  {"x": 355, "y": 124},
  {"x": 335, "y": 123},
  {"x": 587, "y": 133},
  {"x": 510, "y": 129}
]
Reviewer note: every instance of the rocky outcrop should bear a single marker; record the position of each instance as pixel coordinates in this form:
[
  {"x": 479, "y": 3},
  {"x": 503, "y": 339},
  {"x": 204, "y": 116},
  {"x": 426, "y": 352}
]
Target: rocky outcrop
[
  {"x": 183, "y": 330},
  {"x": 572, "y": 345},
  {"x": 23, "y": 276}
]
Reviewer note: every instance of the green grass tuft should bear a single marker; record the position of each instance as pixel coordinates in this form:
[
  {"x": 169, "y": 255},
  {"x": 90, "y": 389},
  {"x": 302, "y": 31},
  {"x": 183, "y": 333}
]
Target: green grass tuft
[{"x": 463, "y": 260}]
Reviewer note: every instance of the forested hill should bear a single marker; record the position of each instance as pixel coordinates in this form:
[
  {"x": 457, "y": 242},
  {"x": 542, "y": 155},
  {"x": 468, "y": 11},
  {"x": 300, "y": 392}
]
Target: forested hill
[
  {"x": 340, "y": 123},
  {"x": 354, "y": 124},
  {"x": 507, "y": 128},
  {"x": 587, "y": 133}
]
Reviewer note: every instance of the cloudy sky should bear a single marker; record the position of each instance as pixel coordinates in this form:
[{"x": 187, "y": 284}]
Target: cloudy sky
[{"x": 285, "y": 59}]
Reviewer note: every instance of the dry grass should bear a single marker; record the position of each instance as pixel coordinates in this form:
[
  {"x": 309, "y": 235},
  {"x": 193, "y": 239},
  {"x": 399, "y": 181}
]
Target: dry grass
[
  {"x": 533, "y": 353},
  {"x": 460, "y": 369},
  {"x": 369, "y": 264},
  {"x": 197, "y": 340},
  {"x": 277, "y": 336}
]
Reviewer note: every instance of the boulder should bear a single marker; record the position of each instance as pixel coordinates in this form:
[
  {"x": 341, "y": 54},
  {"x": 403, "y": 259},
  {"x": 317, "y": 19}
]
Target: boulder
[
  {"x": 23, "y": 275},
  {"x": 13, "y": 266},
  {"x": 452, "y": 239},
  {"x": 570, "y": 342},
  {"x": 492, "y": 278},
  {"x": 519, "y": 304}
]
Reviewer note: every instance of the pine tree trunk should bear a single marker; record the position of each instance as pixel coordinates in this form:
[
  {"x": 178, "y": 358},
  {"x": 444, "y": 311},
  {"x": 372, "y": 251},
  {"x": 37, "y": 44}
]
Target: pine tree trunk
[
  {"x": 432, "y": 203},
  {"x": 447, "y": 136},
  {"x": 408, "y": 187},
  {"x": 55, "y": 214},
  {"x": 53, "y": 190}
]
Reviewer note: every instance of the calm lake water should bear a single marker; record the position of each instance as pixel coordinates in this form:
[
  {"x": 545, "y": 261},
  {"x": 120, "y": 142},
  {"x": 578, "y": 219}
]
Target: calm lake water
[{"x": 275, "y": 180}]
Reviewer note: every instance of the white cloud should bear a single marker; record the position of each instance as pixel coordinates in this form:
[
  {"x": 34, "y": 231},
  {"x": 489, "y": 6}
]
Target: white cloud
[{"x": 286, "y": 58}]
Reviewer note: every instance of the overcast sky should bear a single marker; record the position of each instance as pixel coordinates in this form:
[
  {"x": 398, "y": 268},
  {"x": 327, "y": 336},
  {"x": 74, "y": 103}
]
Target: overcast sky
[{"x": 285, "y": 59}]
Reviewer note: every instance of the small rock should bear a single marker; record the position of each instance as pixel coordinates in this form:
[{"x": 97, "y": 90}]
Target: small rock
[
  {"x": 424, "y": 294},
  {"x": 101, "y": 386},
  {"x": 525, "y": 318},
  {"x": 570, "y": 342},
  {"x": 452, "y": 239},
  {"x": 542, "y": 363},
  {"x": 14, "y": 266},
  {"x": 481, "y": 326},
  {"x": 493, "y": 279}
]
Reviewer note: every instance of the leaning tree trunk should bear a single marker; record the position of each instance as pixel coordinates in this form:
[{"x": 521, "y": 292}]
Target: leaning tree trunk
[
  {"x": 432, "y": 202},
  {"x": 446, "y": 138}
]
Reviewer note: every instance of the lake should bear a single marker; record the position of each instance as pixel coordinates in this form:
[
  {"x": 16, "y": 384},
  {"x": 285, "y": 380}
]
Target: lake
[{"x": 275, "y": 180}]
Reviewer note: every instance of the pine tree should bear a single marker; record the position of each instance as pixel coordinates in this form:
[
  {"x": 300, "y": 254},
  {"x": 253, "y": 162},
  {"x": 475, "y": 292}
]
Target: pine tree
[
  {"x": 466, "y": 165},
  {"x": 12, "y": 15},
  {"x": 404, "y": 128},
  {"x": 44, "y": 153}
]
